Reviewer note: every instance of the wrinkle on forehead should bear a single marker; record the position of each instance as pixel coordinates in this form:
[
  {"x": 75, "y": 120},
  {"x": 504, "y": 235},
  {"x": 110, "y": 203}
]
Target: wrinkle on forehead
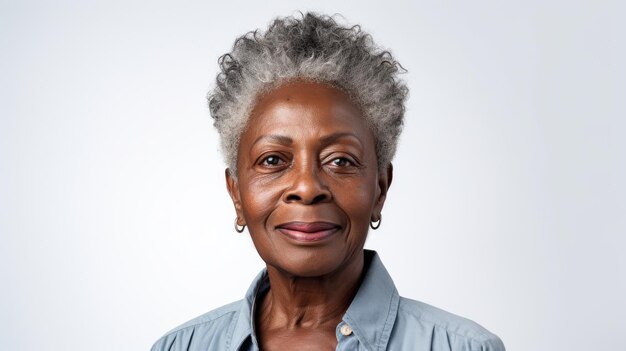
[{"x": 289, "y": 94}]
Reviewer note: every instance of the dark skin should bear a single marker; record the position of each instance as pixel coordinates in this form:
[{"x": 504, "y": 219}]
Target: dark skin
[{"x": 307, "y": 187}]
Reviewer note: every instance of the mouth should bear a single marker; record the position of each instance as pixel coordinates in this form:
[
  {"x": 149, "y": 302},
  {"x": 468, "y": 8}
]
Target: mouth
[{"x": 308, "y": 231}]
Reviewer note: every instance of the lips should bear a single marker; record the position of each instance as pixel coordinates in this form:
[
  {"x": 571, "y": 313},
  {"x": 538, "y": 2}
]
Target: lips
[{"x": 308, "y": 231}]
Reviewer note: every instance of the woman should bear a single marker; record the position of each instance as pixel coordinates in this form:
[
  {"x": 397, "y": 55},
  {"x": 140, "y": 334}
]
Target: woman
[{"x": 309, "y": 113}]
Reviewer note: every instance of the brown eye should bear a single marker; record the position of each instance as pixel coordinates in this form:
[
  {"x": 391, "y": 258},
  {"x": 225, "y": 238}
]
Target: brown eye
[
  {"x": 341, "y": 162},
  {"x": 271, "y": 161}
]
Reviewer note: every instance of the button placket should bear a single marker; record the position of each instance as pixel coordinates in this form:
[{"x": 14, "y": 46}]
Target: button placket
[
  {"x": 345, "y": 330},
  {"x": 347, "y": 340}
]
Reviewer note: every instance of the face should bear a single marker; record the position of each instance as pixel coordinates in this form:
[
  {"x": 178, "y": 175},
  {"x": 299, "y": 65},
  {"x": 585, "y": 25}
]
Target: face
[{"x": 308, "y": 183}]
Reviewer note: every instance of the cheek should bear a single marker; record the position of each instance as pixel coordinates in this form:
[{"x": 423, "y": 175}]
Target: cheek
[
  {"x": 357, "y": 200},
  {"x": 362, "y": 191},
  {"x": 259, "y": 200}
]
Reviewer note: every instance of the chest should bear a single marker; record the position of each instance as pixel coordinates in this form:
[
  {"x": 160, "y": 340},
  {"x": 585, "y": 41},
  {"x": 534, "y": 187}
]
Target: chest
[
  {"x": 339, "y": 338},
  {"x": 316, "y": 339}
]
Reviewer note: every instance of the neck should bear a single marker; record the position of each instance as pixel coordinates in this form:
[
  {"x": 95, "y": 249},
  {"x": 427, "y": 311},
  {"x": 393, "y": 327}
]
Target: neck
[{"x": 309, "y": 302}]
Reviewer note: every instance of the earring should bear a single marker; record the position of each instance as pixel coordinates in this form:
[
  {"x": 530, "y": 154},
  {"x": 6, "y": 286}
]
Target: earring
[
  {"x": 239, "y": 228},
  {"x": 375, "y": 224}
]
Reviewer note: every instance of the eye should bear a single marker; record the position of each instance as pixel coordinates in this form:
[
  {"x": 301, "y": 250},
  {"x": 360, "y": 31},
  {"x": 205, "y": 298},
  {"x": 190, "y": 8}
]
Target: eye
[
  {"x": 271, "y": 161},
  {"x": 341, "y": 162}
]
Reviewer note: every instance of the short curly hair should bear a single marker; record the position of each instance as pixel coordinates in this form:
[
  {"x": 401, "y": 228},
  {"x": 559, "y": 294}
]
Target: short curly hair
[{"x": 315, "y": 48}]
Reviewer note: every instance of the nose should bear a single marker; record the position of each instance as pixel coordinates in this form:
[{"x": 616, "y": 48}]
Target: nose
[{"x": 306, "y": 186}]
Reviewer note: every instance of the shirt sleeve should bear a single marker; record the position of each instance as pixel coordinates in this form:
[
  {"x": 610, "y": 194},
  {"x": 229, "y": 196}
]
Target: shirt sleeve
[
  {"x": 493, "y": 344},
  {"x": 175, "y": 341}
]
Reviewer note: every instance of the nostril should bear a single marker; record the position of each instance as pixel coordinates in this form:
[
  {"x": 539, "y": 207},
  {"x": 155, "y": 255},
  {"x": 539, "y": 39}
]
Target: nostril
[
  {"x": 316, "y": 199},
  {"x": 293, "y": 197},
  {"x": 319, "y": 198}
]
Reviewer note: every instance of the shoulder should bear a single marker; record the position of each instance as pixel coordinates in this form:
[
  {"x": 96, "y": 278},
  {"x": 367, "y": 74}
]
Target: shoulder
[
  {"x": 201, "y": 331},
  {"x": 457, "y": 332}
]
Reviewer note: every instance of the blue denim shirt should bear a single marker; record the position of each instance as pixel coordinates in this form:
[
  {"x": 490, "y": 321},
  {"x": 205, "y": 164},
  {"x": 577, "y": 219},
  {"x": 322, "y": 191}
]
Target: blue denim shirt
[{"x": 377, "y": 319}]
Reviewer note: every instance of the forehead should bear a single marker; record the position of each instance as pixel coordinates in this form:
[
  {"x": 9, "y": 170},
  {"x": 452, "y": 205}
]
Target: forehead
[{"x": 306, "y": 107}]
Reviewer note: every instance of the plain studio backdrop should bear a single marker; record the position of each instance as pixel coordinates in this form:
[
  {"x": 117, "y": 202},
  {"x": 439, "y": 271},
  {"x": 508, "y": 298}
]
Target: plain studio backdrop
[{"x": 507, "y": 206}]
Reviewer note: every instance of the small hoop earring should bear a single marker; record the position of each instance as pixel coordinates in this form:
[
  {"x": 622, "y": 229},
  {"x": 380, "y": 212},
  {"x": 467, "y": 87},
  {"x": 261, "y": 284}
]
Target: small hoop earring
[
  {"x": 239, "y": 228},
  {"x": 375, "y": 224}
]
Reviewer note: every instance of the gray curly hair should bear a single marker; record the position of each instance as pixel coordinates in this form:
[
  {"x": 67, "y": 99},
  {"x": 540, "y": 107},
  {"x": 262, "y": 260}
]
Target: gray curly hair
[{"x": 314, "y": 48}]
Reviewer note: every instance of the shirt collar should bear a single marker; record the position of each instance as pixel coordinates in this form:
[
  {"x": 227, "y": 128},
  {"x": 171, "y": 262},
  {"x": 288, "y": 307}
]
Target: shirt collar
[
  {"x": 243, "y": 328},
  {"x": 373, "y": 311},
  {"x": 371, "y": 314}
]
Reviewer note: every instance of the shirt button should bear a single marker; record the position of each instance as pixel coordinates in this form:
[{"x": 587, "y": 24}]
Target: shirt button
[{"x": 345, "y": 330}]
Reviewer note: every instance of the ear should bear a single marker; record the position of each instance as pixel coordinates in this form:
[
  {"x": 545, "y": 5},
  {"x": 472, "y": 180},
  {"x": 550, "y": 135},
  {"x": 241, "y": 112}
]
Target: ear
[
  {"x": 235, "y": 196},
  {"x": 385, "y": 176}
]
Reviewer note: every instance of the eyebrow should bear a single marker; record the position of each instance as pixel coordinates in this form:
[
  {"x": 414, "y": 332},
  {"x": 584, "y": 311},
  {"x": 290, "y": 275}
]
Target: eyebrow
[
  {"x": 285, "y": 140},
  {"x": 281, "y": 139},
  {"x": 329, "y": 139}
]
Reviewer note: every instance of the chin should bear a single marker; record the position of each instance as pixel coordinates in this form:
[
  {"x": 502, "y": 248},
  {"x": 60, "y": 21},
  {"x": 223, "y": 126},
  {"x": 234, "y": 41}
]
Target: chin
[{"x": 307, "y": 262}]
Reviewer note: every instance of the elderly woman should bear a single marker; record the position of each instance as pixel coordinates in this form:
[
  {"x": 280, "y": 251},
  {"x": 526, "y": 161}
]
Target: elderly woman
[{"x": 309, "y": 113}]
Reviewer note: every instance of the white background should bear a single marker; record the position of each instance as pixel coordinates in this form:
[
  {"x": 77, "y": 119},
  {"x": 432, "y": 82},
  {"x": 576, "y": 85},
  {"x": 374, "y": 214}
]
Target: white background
[{"x": 508, "y": 203}]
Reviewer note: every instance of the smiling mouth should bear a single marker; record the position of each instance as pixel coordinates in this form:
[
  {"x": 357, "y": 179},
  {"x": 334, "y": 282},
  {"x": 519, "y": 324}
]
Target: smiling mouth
[{"x": 308, "y": 231}]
